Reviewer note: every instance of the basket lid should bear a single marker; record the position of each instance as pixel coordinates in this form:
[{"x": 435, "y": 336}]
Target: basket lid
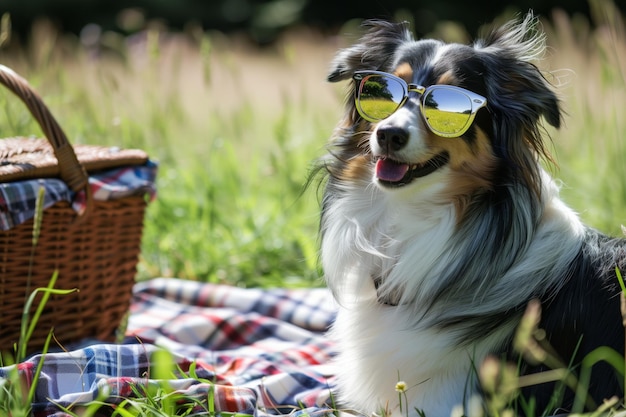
[{"x": 26, "y": 158}]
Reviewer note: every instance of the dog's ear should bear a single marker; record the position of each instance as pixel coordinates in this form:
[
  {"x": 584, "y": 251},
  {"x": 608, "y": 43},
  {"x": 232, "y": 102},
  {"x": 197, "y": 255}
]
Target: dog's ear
[
  {"x": 518, "y": 95},
  {"x": 373, "y": 51},
  {"x": 516, "y": 83}
]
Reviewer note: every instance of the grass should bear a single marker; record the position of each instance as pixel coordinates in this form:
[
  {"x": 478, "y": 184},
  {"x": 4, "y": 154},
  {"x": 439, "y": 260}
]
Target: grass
[{"x": 235, "y": 129}]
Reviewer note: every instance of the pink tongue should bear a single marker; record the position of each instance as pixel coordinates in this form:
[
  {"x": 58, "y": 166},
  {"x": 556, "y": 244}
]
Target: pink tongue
[{"x": 388, "y": 170}]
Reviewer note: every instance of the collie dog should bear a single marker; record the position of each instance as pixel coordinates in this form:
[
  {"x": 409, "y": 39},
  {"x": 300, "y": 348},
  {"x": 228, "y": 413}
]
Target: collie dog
[{"x": 439, "y": 224}]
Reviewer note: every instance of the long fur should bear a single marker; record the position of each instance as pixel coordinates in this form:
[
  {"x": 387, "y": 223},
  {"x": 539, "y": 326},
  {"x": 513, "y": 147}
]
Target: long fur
[{"x": 434, "y": 276}]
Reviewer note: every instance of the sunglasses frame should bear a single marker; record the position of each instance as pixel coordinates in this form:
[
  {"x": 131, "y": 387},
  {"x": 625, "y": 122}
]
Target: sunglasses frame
[{"x": 476, "y": 101}]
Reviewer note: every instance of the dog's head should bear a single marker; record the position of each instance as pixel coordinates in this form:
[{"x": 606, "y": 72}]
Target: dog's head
[{"x": 426, "y": 112}]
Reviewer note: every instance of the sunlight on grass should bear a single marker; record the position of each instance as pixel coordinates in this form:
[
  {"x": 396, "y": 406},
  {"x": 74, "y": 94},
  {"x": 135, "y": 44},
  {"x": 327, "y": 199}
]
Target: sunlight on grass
[
  {"x": 235, "y": 129},
  {"x": 591, "y": 148}
]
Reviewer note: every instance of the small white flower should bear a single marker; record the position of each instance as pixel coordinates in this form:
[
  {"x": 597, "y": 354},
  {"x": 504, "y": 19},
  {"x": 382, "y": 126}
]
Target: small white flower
[{"x": 401, "y": 386}]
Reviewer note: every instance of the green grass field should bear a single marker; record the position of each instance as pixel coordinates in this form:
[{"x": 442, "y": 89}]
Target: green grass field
[{"x": 235, "y": 129}]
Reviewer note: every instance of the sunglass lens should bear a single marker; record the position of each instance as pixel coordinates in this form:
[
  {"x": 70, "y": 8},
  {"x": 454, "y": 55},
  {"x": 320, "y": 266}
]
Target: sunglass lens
[
  {"x": 380, "y": 96},
  {"x": 446, "y": 110}
]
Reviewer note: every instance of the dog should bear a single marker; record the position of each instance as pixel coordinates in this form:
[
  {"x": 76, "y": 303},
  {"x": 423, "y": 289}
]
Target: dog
[{"x": 439, "y": 225}]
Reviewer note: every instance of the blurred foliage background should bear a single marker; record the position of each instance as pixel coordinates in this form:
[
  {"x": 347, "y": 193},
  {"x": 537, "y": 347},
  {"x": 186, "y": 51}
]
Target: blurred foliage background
[
  {"x": 263, "y": 20},
  {"x": 231, "y": 98}
]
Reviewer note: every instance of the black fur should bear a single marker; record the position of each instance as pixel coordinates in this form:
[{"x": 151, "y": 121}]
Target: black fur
[
  {"x": 579, "y": 293},
  {"x": 585, "y": 315}
]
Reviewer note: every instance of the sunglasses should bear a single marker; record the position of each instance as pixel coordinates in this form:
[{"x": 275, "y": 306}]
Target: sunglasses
[{"x": 447, "y": 110}]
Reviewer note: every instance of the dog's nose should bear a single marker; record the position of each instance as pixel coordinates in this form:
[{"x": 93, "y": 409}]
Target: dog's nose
[{"x": 391, "y": 138}]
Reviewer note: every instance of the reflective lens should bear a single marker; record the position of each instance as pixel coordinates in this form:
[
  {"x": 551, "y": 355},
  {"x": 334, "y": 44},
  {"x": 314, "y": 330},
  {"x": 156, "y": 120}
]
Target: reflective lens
[
  {"x": 380, "y": 96},
  {"x": 447, "y": 110}
]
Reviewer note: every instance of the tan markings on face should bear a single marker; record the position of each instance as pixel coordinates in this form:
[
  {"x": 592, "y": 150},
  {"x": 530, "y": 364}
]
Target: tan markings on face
[
  {"x": 447, "y": 78},
  {"x": 472, "y": 163},
  {"x": 356, "y": 152},
  {"x": 404, "y": 71},
  {"x": 357, "y": 169},
  {"x": 472, "y": 168}
]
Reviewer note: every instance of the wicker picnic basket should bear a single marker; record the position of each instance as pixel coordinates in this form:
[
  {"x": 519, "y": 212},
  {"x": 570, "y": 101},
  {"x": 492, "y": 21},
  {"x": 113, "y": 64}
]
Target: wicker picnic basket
[{"x": 95, "y": 251}]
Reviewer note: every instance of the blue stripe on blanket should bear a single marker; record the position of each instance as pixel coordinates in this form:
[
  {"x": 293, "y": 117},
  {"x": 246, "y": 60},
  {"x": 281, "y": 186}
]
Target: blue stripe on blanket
[{"x": 266, "y": 351}]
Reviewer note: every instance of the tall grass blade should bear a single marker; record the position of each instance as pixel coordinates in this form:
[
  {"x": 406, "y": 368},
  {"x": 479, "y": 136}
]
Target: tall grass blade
[
  {"x": 620, "y": 279},
  {"x": 5, "y": 29},
  {"x": 27, "y": 328},
  {"x": 622, "y": 298},
  {"x": 38, "y": 215},
  {"x": 37, "y": 374},
  {"x": 36, "y": 233},
  {"x": 121, "y": 411},
  {"x": 600, "y": 354}
]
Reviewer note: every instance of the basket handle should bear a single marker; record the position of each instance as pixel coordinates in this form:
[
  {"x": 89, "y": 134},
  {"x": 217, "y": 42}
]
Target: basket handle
[{"x": 70, "y": 170}]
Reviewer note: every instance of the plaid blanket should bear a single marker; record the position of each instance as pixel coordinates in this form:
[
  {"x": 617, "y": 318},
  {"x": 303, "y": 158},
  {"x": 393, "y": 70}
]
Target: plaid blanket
[
  {"x": 18, "y": 199},
  {"x": 251, "y": 351}
]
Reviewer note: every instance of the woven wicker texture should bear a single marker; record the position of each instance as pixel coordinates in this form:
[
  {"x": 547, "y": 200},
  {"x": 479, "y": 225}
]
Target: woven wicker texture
[
  {"x": 96, "y": 252},
  {"x": 98, "y": 256},
  {"x": 22, "y": 158}
]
